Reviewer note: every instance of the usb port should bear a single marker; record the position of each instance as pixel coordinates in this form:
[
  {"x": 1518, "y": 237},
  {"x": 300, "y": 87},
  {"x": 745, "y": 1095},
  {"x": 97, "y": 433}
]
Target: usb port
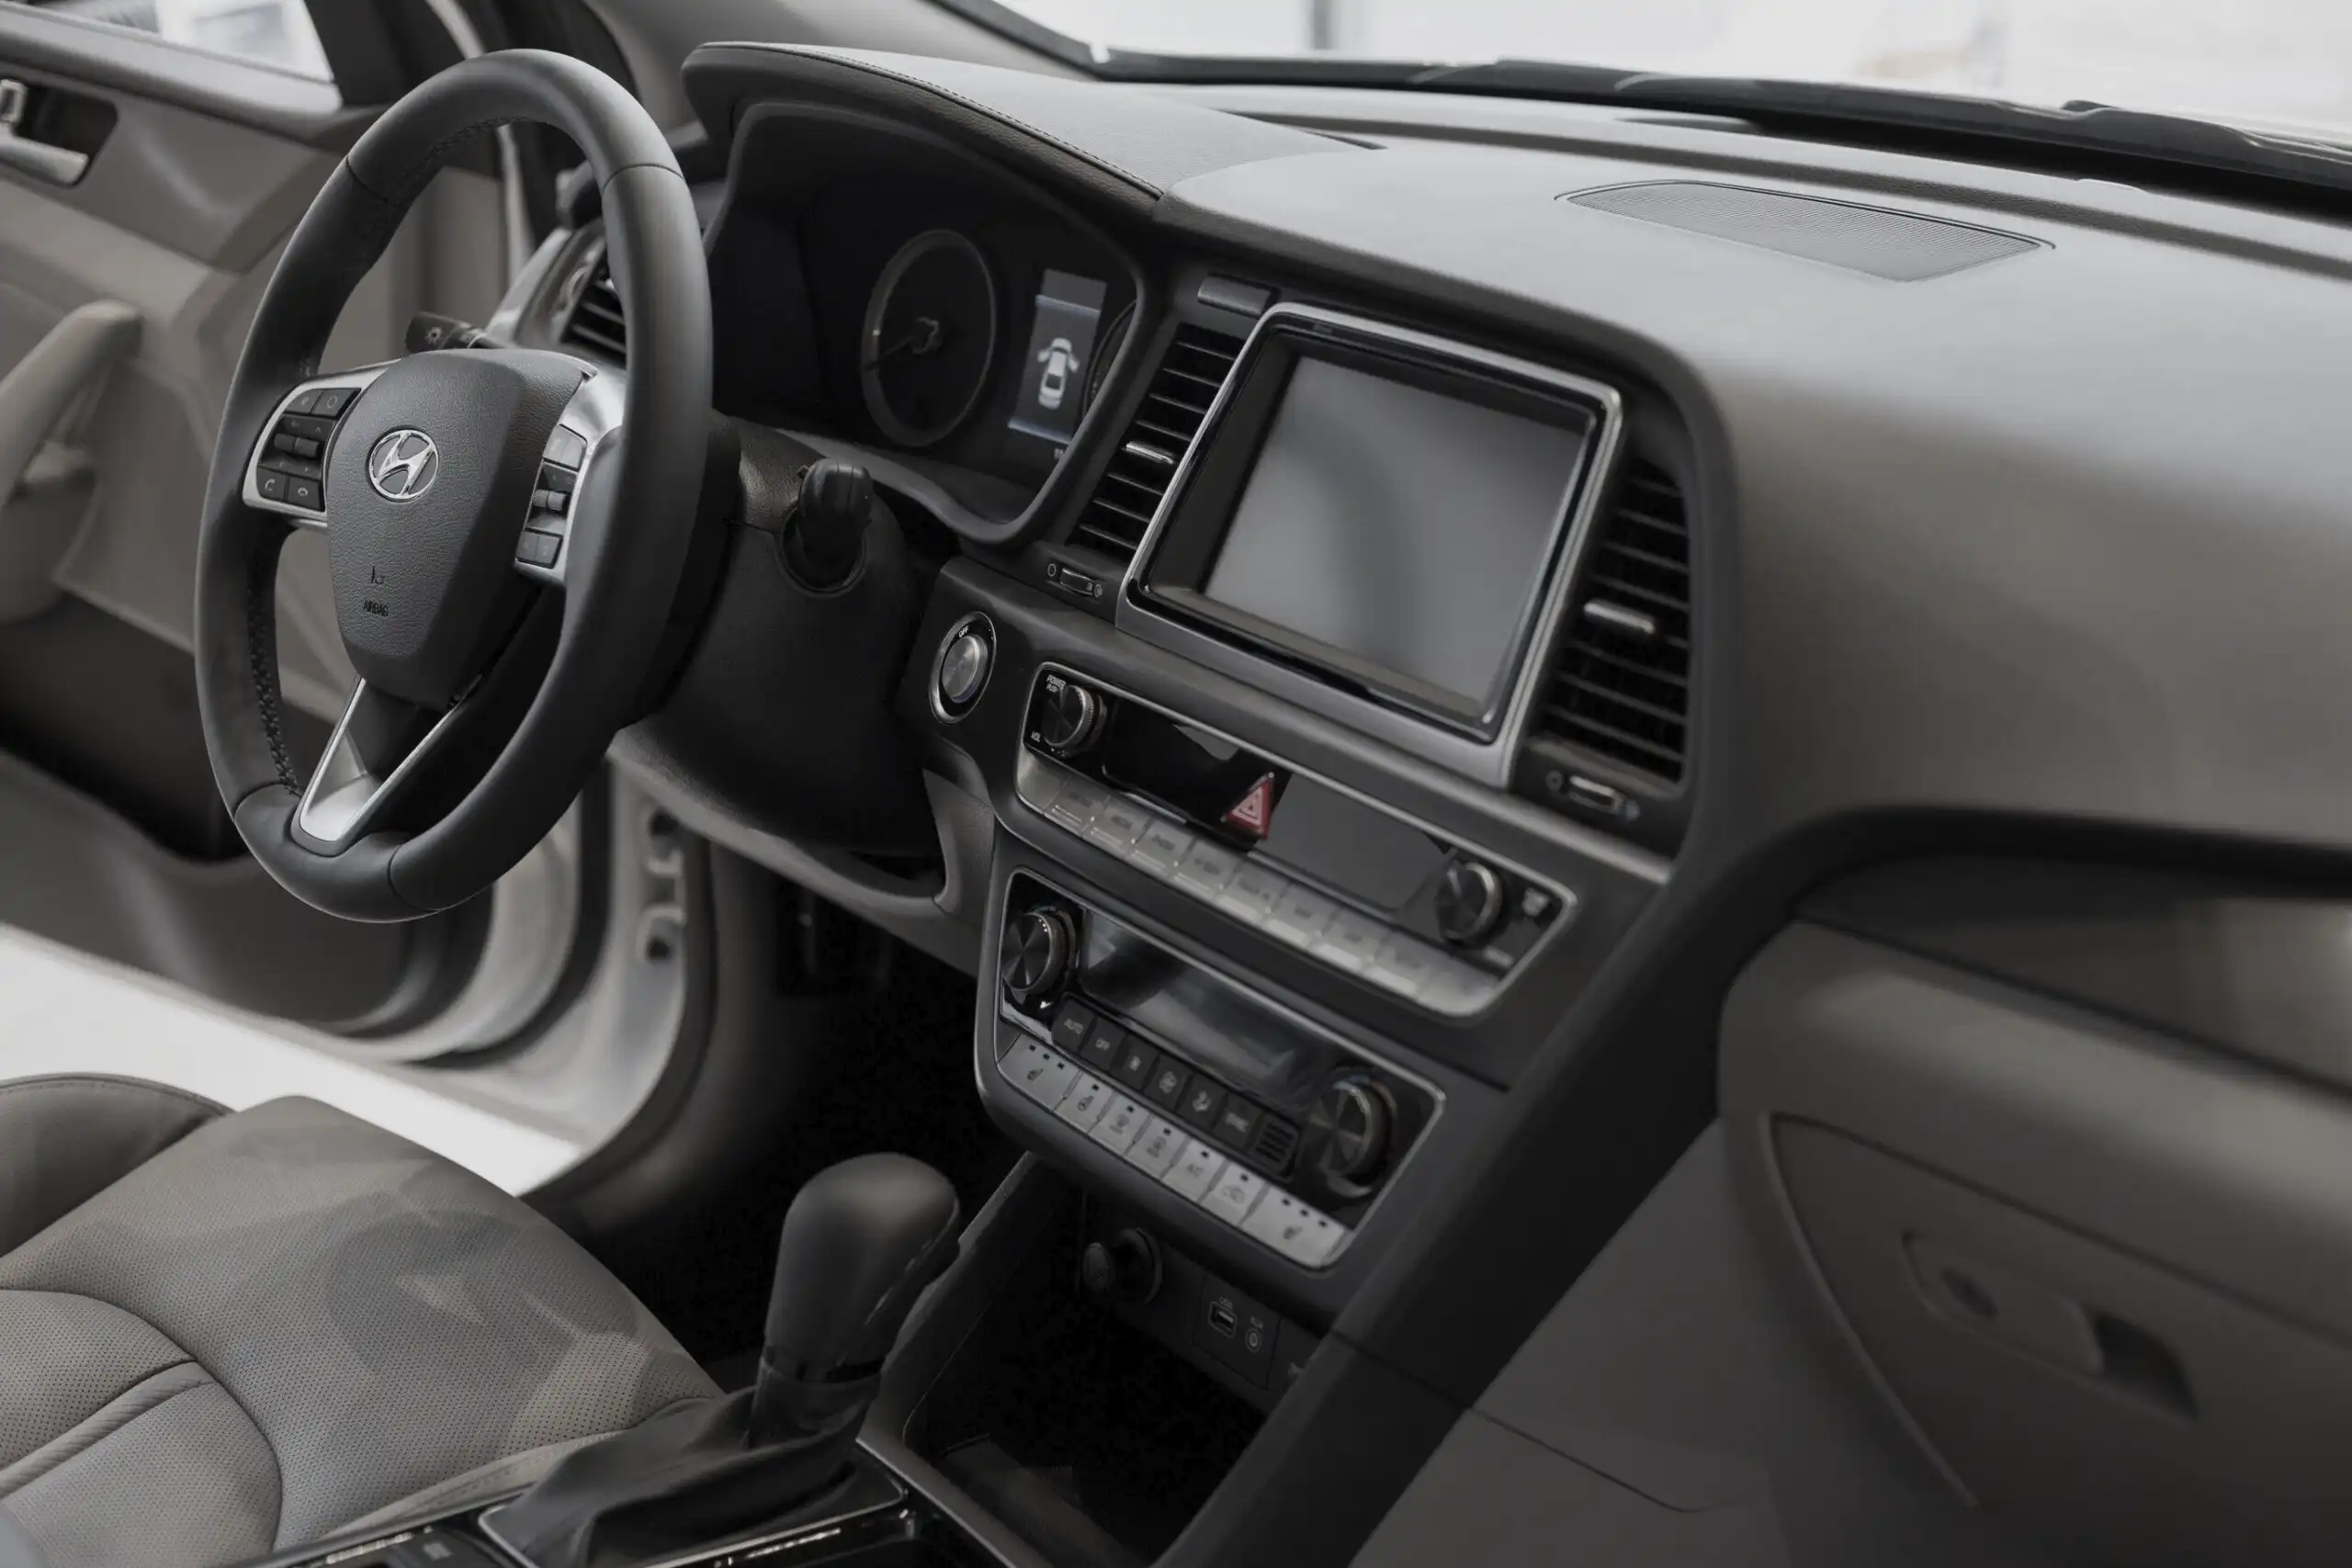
[{"x": 1223, "y": 1317}]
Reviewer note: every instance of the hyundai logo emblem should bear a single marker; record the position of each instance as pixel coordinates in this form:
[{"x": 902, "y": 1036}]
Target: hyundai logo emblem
[{"x": 404, "y": 465}]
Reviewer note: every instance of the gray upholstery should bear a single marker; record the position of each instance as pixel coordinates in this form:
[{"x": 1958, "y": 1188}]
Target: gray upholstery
[
  {"x": 64, "y": 1138},
  {"x": 286, "y": 1321}
]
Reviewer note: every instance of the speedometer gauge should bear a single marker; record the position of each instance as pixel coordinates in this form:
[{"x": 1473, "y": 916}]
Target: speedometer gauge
[{"x": 930, "y": 338}]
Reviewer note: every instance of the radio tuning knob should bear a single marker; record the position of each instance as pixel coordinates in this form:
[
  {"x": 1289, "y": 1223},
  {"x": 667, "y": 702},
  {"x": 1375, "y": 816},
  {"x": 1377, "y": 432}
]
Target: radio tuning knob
[
  {"x": 1469, "y": 902},
  {"x": 1071, "y": 718},
  {"x": 1038, "y": 946},
  {"x": 1356, "y": 1118}
]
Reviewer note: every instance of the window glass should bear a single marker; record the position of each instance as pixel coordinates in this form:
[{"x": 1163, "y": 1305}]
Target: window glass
[{"x": 276, "y": 33}]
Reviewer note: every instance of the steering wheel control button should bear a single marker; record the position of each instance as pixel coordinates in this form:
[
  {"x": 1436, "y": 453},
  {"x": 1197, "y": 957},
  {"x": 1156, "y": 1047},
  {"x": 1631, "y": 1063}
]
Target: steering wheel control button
[
  {"x": 1403, "y": 964},
  {"x": 1251, "y": 893},
  {"x": 567, "y": 447},
  {"x": 1155, "y": 1151},
  {"x": 1160, "y": 848},
  {"x": 1122, "y": 1125},
  {"x": 1350, "y": 940},
  {"x": 1206, "y": 867},
  {"x": 1234, "y": 1193},
  {"x": 1470, "y": 898},
  {"x": 1300, "y": 915},
  {"x": 271, "y": 484},
  {"x": 966, "y": 657},
  {"x": 304, "y": 493},
  {"x": 1194, "y": 1172},
  {"x": 537, "y": 547},
  {"x": 1202, "y": 1104},
  {"x": 1086, "y": 1103},
  {"x": 1118, "y": 824},
  {"x": 1303, "y": 1234},
  {"x": 331, "y": 402}
]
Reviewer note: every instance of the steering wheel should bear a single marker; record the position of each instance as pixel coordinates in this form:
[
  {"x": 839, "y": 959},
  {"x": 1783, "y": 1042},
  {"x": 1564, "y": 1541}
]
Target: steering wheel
[{"x": 505, "y": 527}]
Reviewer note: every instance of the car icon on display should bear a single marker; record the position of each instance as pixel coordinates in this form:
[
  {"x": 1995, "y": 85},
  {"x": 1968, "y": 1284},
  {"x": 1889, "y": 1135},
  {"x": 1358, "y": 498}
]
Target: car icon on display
[{"x": 1060, "y": 361}]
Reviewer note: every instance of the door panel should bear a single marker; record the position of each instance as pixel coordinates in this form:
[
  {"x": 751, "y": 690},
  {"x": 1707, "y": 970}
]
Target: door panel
[{"x": 110, "y": 834}]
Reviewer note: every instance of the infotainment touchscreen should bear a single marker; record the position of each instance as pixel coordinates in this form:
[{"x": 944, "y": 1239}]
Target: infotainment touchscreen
[
  {"x": 1386, "y": 517},
  {"x": 1397, "y": 523}
]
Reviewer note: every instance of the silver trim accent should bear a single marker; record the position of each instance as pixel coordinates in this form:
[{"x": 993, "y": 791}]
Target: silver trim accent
[
  {"x": 357, "y": 381},
  {"x": 939, "y": 662},
  {"x": 1570, "y": 901},
  {"x": 594, "y": 414},
  {"x": 1148, "y": 454},
  {"x": 343, "y": 796},
  {"x": 1611, "y": 613},
  {"x": 730, "y": 1547},
  {"x": 1485, "y": 761},
  {"x": 1256, "y": 992}
]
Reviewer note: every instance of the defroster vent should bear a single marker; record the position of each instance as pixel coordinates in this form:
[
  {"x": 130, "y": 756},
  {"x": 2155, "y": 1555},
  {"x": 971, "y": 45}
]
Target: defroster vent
[
  {"x": 1155, "y": 442},
  {"x": 594, "y": 321},
  {"x": 1622, "y": 688}
]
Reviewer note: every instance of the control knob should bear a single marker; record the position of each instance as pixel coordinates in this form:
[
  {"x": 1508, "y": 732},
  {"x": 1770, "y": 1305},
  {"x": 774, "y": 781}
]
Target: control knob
[
  {"x": 1469, "y": 902},
  {"x": 1124, "y": 1268},
  {"x": 1070, "y": 720},
  {"x": 1038, "y": 945},
  {"x": 1356, "y": 1119},
  {"x": 964, "y": 662}
]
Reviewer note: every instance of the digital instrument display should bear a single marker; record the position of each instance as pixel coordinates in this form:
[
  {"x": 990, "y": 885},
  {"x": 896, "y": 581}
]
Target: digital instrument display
[
  {"x": 1398, "y": 524},
  {"x": 1060, "y": 357}
]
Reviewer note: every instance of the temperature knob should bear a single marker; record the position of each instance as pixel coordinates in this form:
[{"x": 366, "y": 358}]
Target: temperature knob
[
  {"x": 1072, "y": 717},
  {"x": 1356, "y": 1119},
  {"x": 1469, "y": 903},
  {"x": 1038, "y": 949}
]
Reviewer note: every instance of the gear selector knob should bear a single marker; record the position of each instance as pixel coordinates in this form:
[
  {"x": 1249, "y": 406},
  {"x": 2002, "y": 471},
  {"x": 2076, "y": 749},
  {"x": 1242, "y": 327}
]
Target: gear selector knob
[{"x": 860, "y": 1243}]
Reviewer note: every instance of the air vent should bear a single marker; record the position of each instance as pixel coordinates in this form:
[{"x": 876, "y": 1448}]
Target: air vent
[
  {"x": 1621, "y": 688},
  {"x": 1148, "y": 451},
  {"x": 596, "y": 323}
]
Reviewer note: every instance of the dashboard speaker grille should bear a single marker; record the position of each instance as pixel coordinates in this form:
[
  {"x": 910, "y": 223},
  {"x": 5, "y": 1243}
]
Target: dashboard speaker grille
[
  {"x": 1155, "y": 442},
  {"x": 1902, "y": 246},
  {"x": 594, "y": 321},
  {"x": 1622, "y": 688}
]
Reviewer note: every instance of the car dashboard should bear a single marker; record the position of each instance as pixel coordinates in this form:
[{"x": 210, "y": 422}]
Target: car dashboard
[{"x": 1420, "y": 593}]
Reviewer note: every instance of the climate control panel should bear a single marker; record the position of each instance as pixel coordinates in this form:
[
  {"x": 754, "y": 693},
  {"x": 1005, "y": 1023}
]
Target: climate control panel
[{"x": 1229, "y": 1101}]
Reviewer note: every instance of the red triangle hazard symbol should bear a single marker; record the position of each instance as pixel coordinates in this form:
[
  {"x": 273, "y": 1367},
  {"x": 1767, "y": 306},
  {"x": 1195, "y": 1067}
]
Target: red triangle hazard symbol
[{"x": 1256, "y": 808}]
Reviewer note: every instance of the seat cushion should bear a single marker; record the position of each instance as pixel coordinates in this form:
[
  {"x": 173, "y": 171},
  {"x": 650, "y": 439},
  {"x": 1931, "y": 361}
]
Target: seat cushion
[
  {"x": 286, "y": 1321},
  {"x": 65, "y": 1136}
]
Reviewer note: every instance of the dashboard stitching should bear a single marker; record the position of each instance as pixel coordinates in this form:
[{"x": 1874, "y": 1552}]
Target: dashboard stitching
[{"x": 978, "y": 108}]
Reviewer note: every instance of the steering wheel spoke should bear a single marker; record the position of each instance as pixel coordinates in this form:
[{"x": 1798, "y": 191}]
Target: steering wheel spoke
[
  {"x": 374, "y": 755},
  {"x": 287, "y": 472},
  {"x": 588, "y": 427}
]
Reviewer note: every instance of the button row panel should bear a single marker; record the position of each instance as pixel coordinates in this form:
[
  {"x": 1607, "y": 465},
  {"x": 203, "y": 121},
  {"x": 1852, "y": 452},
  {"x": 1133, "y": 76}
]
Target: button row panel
[
  {"x": 1128, "y": 1126},
  {"x": 1251, "y": 891}
]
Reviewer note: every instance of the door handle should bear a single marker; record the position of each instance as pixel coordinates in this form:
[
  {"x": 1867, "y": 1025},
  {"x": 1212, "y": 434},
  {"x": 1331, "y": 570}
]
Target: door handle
[{"x": 29, "y": 155}]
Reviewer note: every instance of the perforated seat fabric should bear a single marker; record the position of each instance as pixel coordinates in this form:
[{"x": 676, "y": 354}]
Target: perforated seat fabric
[{"x": 285, "y": 1322}]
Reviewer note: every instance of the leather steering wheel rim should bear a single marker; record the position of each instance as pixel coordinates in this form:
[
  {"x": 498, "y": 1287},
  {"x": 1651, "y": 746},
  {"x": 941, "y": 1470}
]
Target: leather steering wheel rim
[{"x": 630, "y": 530}]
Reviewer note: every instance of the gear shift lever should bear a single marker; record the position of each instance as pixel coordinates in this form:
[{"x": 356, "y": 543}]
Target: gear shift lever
[{"x": 860, "y": 1241}]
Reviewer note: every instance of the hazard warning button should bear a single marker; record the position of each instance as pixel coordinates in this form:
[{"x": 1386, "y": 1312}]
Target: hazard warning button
[{"x": 1254, "y": 812}]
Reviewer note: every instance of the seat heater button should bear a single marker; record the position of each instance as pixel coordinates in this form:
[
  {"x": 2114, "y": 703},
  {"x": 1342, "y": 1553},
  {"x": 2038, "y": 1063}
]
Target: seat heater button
[
  {"x": 1234, "y": 1194},
  {"x": 1403, "y": 964},
  {"x": 1122, "y": 1125},
  {"x": 1253, "y": 893},
  {"x": 1085, "y": 1104},
  {"x": 1350, "y": 940},
  {"x": 1300, "y": 915},
  {"x": 1158, "y": 1149},
  {"x": 1076, "y": 807},
  {"x": 1206, "y": 867},
  {"x": 1038, "y": 1073},
  {"x": 1195, "y": 1170},
  {"x": 1118, "y": 824},
  {"x": 1161, "y": 847},
  {"x": 1303, "y": 1234}
]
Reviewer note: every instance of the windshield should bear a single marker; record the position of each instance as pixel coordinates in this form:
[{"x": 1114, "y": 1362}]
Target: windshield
[{"x": 2282, "y": 63}]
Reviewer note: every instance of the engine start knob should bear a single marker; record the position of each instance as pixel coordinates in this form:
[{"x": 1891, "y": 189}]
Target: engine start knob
[{"x": 1038, "y": 949}]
